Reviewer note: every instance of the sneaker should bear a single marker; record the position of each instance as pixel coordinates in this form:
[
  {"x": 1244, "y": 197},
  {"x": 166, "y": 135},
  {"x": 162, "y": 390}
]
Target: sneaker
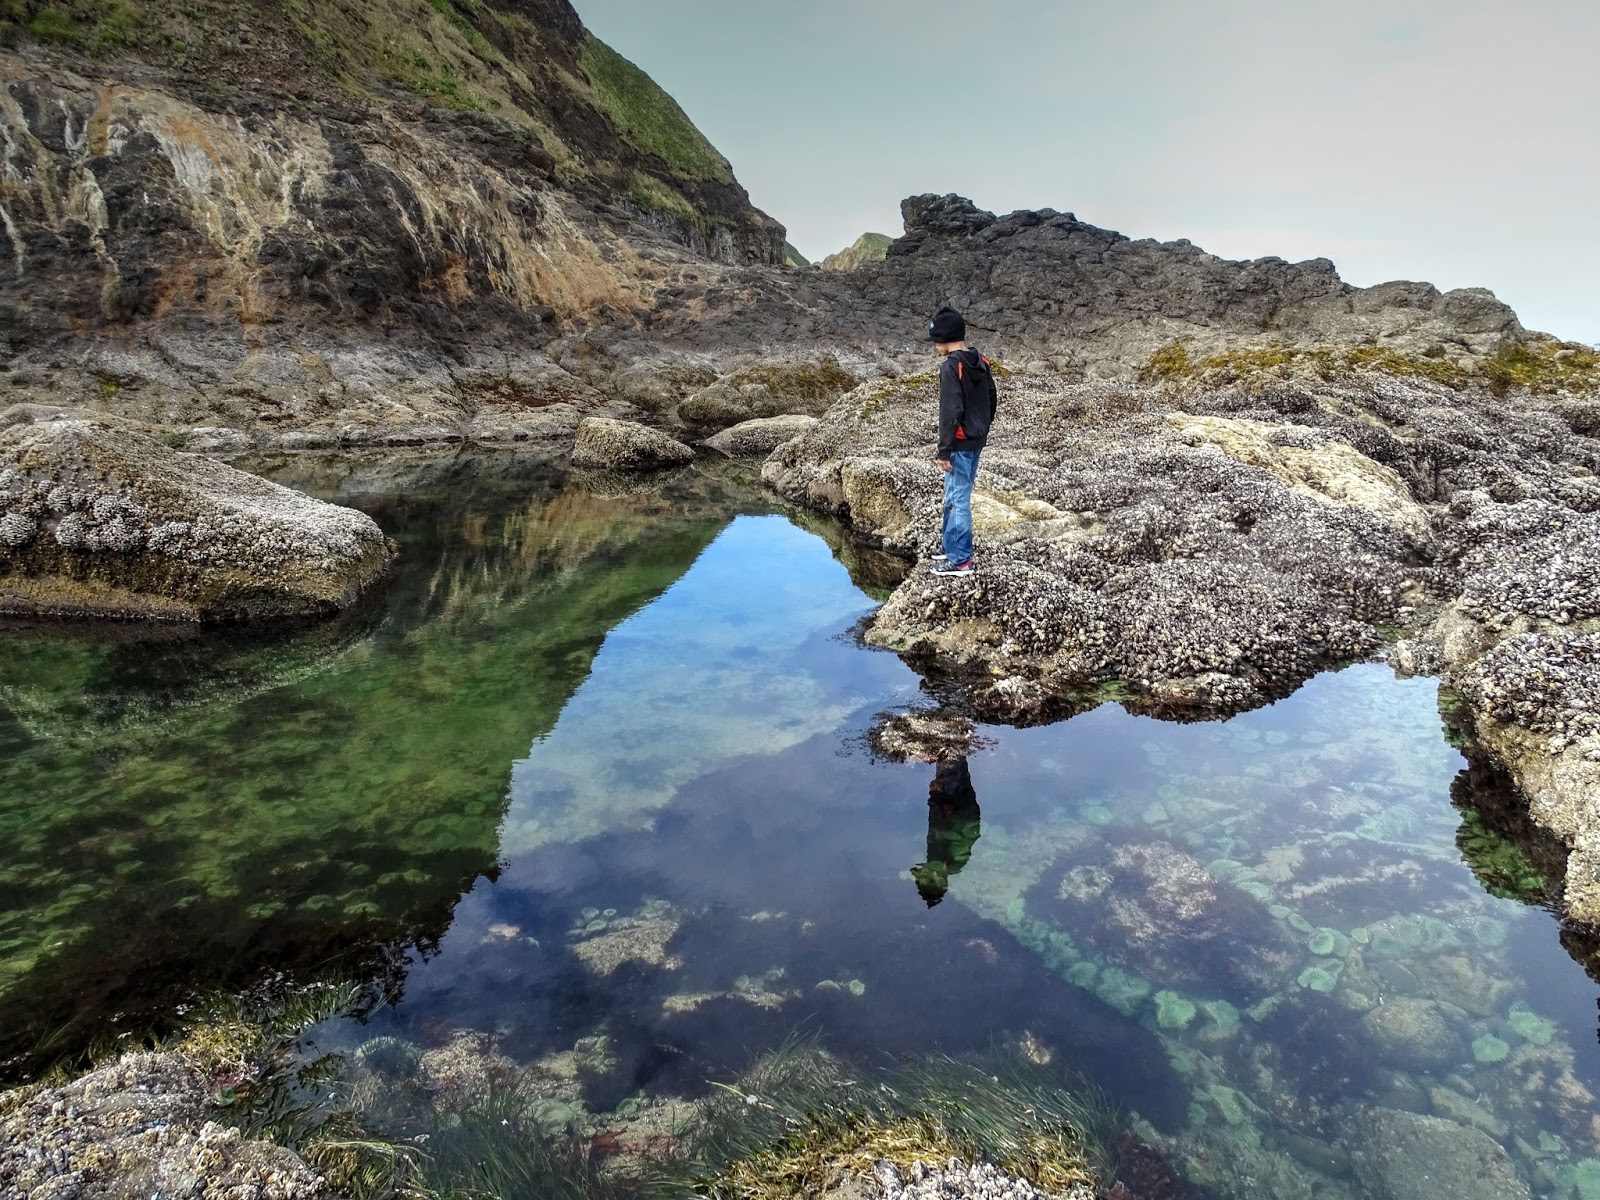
[
  {"x": 965, "y": 568},
  {"x": 938, "y": 558}
]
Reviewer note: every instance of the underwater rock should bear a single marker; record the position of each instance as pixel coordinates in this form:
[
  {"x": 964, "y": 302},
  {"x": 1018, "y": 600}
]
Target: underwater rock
[
  {"x": 604, "y": 444},
  {"x": 1403, "y": 1156},
  {"x": 625, "y": 940},
  {"x": 1412, "y": 1033},
  {"x": 1315, "y": 1040},
  {"x": 140, "y": 1126},
  {"x": 1159, "y": 913},
  {"x": 465, "y": 1067},
  {"x": 98, "y": 520},
  {"x": 957, "y": 1180},
  {"x": 924, "y": 735}
]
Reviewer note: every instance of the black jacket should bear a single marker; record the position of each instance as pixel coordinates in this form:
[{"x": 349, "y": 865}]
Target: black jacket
[{"x": 967, "y": 402}]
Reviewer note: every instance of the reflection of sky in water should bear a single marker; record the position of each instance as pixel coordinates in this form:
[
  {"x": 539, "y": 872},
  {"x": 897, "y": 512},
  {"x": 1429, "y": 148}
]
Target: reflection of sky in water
[
  {"x": 721, "y": 665},
  {"x": 711, "y": 764}
]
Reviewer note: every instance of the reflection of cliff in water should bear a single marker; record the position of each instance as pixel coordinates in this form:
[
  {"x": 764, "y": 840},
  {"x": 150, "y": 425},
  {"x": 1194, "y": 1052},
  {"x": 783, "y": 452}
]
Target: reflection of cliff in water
[{"x": 185, "y": 815}]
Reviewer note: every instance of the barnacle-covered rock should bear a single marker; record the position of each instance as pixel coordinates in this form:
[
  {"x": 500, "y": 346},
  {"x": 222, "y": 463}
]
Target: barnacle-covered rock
[
  {"x": 1208, "y": 562},
  {"x": 607, "y": 445},
  {"x": 760, "y": 436},
  {"x": 103, "y": 521},
  {"x": 141, "y": 1125}
]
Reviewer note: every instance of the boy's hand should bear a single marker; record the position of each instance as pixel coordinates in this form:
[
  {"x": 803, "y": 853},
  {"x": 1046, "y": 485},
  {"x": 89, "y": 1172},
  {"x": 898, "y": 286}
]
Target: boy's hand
[{"x": 944, "y": 465}]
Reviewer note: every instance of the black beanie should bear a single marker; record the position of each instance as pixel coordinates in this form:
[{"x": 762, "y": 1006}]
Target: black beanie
[{"x": 947, "y": 326}]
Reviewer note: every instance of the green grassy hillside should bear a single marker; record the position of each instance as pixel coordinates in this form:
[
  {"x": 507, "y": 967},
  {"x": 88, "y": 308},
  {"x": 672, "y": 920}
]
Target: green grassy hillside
[
  {"x": 869, "y": 247},
  {"x": 532, "y": 63}
]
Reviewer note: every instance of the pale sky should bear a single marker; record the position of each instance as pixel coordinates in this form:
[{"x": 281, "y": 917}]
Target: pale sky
[{"x": 1454, "y": 141}]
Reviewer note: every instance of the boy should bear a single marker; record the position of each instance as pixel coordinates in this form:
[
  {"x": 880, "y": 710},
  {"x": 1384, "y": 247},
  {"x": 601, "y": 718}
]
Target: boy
[{"x": 967, "y": 402}]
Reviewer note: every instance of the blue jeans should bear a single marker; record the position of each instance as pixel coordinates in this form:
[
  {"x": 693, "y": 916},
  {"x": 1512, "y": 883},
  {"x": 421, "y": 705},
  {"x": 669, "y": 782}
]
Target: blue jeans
[{"x": 958, "y": 505}]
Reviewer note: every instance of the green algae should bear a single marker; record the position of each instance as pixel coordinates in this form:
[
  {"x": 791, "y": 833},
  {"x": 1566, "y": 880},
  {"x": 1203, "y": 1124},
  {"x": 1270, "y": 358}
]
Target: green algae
[
  {"x": 1490, "y": 1049},
  {"x": 1321, "y": 977},
  {"x": 364, "y": 785},
  {"x": 1174, "y": 1011},
  {"x": 1583, "y": 1178},
  {"x": 1531, "y": 1027},
  {"x": 1498, "y": 862}
]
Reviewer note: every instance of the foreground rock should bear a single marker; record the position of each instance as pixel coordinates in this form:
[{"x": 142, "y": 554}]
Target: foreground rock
[
  {"x": 607, "y": 445},
  {"x": 98, "y": 520},
  {"x": 1403, "y": 1156},
  {"x": 137, "y": 1128}
]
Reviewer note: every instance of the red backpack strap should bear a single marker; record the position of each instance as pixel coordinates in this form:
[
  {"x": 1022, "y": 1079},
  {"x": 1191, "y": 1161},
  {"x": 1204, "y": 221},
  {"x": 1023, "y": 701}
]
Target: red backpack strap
[{"x": 961, "y": 372}]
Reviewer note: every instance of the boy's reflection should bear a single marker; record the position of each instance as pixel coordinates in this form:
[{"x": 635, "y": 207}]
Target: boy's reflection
[{"x": 952, "y": 829}]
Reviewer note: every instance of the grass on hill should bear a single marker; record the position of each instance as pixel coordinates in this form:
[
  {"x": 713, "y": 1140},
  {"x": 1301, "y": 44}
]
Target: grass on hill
[
  {"x": 648, "y": 117},
  {"x": 461, "y": 55},
  {"x": 869, "y": 247}
]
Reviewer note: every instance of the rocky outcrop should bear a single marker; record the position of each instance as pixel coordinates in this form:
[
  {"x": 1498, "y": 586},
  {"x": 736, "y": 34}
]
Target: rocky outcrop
[
  {"x": 802, "y": 386},
  {"x": 1046, "y": 291},
  {"x": 1118, "y": 543},
  {"x": 138, "y": 1127},
  {"x": 264, "y": 221},
  {"x": 606, "y": 445},
  {"x": 760, "y": 436},
  {"x": 1207, "y": 546},
  {"x": 99, "y": 520}
]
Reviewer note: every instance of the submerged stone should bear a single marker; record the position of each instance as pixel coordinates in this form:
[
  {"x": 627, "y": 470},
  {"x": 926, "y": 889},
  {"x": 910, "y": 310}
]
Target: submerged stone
[
  {"x": 1404, "y": 1156},
  {"x": 1162, "y": 916},
  {"x": 1412, "y": 1033}
]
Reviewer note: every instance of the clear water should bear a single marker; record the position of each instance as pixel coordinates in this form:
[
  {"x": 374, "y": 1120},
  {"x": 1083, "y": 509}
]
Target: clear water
[{"x": 587, "y": 789}]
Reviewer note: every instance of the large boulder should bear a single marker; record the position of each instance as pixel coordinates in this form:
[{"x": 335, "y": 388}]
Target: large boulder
[
  {"x": 759, "y": 437},
  {"x": 99, "y": 520},
  {"x": 607, "y": 445},
  {"x": 1403, "y": 1156}
]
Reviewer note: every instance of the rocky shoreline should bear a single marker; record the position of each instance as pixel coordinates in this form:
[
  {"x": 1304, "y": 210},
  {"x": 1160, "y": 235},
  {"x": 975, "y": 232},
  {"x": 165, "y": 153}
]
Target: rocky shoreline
[{"x": 1199, "y": 549}]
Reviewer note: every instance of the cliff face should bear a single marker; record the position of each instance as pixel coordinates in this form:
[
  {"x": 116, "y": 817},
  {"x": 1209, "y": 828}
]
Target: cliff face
[
  {"x": 339, "y": 222},
  {"x": 434, "y": 164}
]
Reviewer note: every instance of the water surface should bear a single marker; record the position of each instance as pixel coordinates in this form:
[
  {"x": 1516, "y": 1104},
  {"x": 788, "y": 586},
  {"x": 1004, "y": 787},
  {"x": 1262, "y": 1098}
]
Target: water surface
[{"x": 587, "y": 792}]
